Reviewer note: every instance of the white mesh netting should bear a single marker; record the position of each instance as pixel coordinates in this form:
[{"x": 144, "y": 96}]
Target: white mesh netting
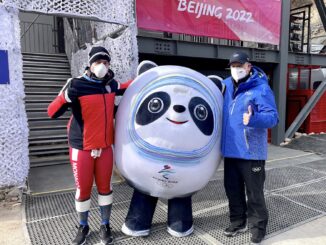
[
  {"x": 14, "y": 161},
  {"x": 114, "y": 11},
  {"x": 123, "y": 51}
]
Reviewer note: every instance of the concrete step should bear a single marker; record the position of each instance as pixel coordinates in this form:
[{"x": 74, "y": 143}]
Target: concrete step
[
  {"x": 49, "y": 160},
  {"x": 44, "y": 84},
  {"x": 49, "y": 151},
  {"x": 48, "y": 148},
  {"x": 43, "y": 89},
  {"x": 44, "y": 110},
  {"x": 55, "y": 55},
  {"x": 30, "y": 106},
  {"x": 46, "y": 64},
  {"x": 41, "y": 93},
  {"x": 45, "y": 119},
  {"x": 48, "y": 140},
  {"x": 39, "y": 57},
  {"x": 46, "y": 72},
  {"x": 47, "y": 122},
  {"x": 36, "y": 101},
  {"x": 45, "y": 135},
  {"x": 44, "y": 79},
  {"x": 52, "y": 70},
  {"x": 46, "y": 76},
  {"x": 48, "y": 129},
  {"x": 38, "y": 114},
  {"x": 41, "y": 98}
]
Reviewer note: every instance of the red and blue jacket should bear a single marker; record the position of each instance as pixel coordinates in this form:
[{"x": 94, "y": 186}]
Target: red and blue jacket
[{"x": 92, "y": 103}]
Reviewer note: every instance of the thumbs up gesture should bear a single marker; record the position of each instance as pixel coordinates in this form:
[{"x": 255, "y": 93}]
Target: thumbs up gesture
[{"x": 247, "y": 115}]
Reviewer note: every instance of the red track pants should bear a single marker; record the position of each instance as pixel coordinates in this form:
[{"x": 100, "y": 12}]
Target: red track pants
[{"x": 85, "y": 169}]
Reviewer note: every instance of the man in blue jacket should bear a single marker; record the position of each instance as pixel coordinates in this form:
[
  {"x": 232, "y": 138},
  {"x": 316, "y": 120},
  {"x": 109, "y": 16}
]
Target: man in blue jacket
[{"x": 249, "y": 110}]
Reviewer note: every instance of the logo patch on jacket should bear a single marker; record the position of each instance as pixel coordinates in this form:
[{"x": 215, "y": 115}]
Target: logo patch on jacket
[{"x": 256, "y": 169}]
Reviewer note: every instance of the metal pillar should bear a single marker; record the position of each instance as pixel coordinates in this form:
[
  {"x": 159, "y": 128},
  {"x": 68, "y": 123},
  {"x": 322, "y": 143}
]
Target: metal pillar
[
  {"x": 320, "y": 4},
  {"x": 280, "y": 75}
]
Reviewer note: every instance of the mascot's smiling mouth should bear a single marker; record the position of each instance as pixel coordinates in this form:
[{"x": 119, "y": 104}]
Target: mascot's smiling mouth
[{"x": 176, "y": 122}]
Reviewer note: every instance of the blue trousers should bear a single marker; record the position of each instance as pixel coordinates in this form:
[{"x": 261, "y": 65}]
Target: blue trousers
[{"x": 142, "y": 208}]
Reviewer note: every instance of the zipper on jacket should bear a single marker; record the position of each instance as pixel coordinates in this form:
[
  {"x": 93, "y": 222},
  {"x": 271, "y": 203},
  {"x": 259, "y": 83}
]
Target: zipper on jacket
[
  {"x": 246, "y": 138},
  {"x": 227, "y": 119},
  {"x": 106, "y": 119},
  {"x": 234, "y": 101}
]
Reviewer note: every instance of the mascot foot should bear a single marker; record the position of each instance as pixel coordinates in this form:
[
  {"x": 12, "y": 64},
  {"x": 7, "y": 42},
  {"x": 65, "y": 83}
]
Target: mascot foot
[
  {"x": 180, "y": 234},
  {"x": 130, "y": 232}
]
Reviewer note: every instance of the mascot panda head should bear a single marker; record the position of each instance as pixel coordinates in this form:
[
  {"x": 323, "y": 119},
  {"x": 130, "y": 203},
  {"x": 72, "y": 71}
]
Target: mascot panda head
[{"x": 168, "y": 129}]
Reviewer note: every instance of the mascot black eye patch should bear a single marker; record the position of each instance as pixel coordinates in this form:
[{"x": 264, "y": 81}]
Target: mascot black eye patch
[
  {"x": 153, "y": 107},
  {"x": 201, "y": 113}
]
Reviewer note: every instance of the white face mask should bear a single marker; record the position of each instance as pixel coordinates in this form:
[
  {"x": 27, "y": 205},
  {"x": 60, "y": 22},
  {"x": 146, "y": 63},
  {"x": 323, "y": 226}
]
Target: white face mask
[
  {"x": 100, "y": 70},
  {"x": 238, "y": 73}
]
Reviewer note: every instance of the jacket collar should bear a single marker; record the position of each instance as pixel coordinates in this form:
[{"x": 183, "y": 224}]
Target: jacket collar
[
  {"x": 257, "y": 77},
  {"x": 90, "y": 76}
]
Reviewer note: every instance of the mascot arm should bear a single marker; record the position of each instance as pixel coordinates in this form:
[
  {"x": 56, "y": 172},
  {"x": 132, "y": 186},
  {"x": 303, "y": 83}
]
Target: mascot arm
[{"x": 119, "y": 93}]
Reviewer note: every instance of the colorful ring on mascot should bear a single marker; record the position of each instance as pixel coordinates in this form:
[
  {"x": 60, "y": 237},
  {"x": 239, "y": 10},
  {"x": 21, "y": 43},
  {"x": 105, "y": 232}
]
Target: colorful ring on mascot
[{"x": 151, "y": 151}]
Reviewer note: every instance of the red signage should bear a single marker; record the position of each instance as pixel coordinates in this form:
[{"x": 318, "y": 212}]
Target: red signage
[{"x": 246, "y": 20}]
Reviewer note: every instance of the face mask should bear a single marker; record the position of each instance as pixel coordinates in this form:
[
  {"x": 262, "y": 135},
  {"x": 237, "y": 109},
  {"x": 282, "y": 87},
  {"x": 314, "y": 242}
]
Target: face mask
[
  {"x": 100, "y": 70},
  {"x": 238, "y": 73}
]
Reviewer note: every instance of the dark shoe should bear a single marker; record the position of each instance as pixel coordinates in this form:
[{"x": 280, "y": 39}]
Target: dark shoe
[
  {"x": 106, "y": 235},
  {"x": 82, "y": 233},
  {"x": 257, "y": 238},
  {"x": 234, "y": 230}
]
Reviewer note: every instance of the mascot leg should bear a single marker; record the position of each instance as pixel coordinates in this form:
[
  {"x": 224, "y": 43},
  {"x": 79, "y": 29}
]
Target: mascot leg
[
  {"x": 180, "y": 221},
  {"x": 140, "y": 215}
]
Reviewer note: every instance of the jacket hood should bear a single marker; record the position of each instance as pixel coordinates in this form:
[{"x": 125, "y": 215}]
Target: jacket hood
[{"x": 257, "y": 78}]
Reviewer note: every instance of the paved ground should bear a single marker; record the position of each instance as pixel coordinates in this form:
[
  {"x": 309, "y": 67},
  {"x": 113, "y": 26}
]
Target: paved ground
[
  {"x": 311, "y": 233},
  {"x": 12, "y": 227},
  {"x": 295, "y": 191}
]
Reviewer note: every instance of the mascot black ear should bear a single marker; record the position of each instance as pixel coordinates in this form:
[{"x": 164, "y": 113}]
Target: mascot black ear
[
  {"x": 218, "y": 82},
  {"x": 145, "y": 65}
]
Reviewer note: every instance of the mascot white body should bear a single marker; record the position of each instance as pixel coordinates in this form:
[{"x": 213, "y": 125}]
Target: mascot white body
[{"x": 168, "y": 130}]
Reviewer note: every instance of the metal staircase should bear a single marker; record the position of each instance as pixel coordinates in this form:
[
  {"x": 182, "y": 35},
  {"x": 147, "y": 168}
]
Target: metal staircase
[{"x": 44, "y": 75}]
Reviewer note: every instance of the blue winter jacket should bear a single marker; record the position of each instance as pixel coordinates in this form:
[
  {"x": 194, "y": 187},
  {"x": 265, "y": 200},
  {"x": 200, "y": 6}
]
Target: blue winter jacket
[{"x": 238, "y": 140}]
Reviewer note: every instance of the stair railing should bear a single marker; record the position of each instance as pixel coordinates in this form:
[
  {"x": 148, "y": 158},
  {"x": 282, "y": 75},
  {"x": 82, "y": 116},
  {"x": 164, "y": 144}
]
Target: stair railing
[{"x": 29, "y": 27}]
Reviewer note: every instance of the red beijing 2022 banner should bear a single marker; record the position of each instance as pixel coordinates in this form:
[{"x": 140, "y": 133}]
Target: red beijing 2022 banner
[{"x": 246, "y": 20}]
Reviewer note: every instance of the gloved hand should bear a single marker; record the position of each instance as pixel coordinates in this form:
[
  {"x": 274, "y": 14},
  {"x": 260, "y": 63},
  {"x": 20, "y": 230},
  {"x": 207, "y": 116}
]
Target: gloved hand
[
  {"x": 247, "y": 115},
  {"x": 96, "y": 153}
]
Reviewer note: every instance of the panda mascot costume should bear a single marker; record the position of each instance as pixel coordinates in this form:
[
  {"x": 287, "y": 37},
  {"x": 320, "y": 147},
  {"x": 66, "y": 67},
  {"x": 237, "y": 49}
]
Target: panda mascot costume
[{"x": 168, "y": 130}]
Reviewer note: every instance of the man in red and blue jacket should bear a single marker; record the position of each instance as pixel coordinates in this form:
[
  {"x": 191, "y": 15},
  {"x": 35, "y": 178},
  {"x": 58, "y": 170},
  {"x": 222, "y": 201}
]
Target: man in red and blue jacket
[{"x": 91, "y": 98}]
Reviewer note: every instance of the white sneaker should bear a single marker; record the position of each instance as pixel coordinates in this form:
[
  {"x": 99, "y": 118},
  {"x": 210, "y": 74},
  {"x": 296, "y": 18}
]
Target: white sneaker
[
  {"x": 130, "y": 232},
  {"x": 180, "y": 234}
]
